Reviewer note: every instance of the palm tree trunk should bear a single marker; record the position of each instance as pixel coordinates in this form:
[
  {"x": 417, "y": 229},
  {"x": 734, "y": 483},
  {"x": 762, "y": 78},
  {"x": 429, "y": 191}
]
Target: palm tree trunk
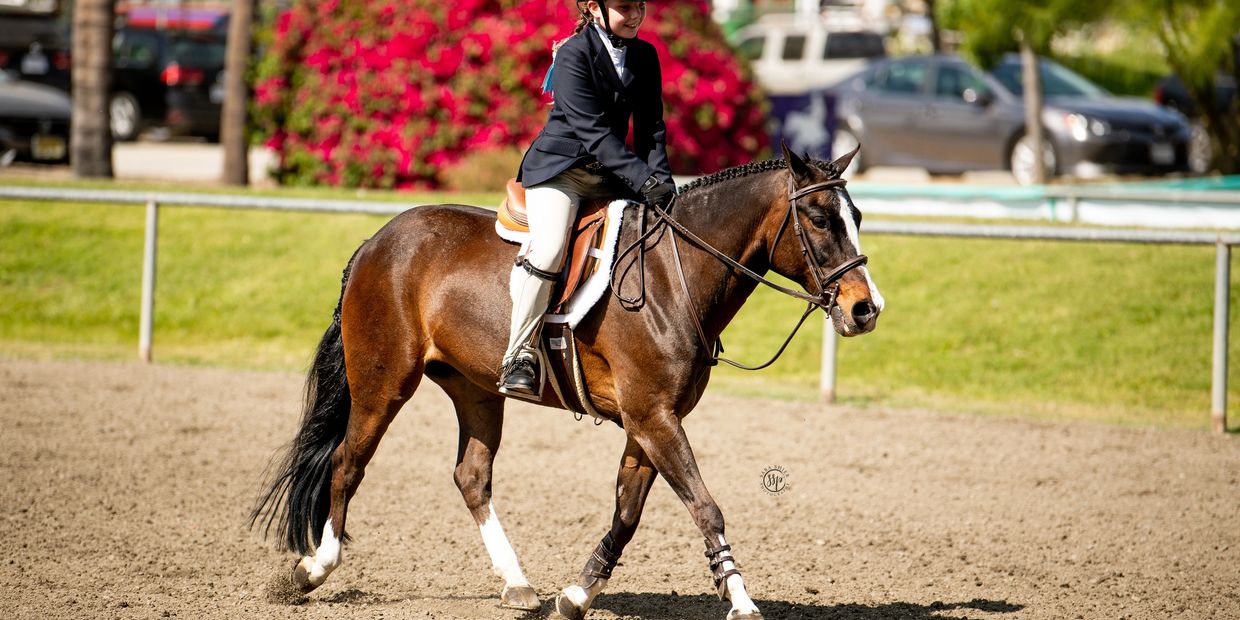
[
  {"x": 1031, "y": 79},
  {"x": 234, "y": 134},
  {"x": 91, "y": 139}
]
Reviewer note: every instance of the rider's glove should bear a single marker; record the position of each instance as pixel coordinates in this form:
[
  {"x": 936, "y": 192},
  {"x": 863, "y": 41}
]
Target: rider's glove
[{"x": 658, "y": 193}]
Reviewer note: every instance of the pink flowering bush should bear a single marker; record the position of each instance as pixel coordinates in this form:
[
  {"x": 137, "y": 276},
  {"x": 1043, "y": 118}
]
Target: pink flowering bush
[{"x": 379, "y": 94}]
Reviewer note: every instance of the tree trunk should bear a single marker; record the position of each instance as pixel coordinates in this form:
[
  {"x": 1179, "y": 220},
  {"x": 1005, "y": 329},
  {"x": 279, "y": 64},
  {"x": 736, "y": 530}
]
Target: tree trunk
[
  {"x": 91, "y": 138},
  {"x": 936, "y": 37},
  {"x": 1227, "y": 122},
  {"x": 234, "y": 125},
  {"x": 1031, "y": 79}
]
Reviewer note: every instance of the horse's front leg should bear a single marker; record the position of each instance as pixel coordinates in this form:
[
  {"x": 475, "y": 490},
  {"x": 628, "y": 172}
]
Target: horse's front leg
[
  {"x": 663, "y": 439},
  {"x": 633, "y": 483}
]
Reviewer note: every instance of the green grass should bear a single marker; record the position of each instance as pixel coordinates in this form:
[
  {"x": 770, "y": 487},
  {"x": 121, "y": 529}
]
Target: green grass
[
  {"x": 1114, "y": 333},
  {"x": 1110, "y": 333}
]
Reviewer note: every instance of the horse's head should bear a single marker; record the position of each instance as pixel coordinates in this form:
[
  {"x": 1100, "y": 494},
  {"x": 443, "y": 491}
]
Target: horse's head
[{"x": 828, "y": 228}]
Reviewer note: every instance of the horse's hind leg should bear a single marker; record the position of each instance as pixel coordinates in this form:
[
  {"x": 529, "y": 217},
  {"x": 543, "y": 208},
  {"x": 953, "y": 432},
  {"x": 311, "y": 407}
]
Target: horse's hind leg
[
  {"x": 633, "y": 483},
  {"x": 481, "y": 418},
  {"x": 377, "y": 395}
]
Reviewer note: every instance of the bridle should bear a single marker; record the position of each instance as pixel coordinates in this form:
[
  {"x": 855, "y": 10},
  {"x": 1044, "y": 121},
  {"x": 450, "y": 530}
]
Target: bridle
[{"x": 827, "y": 286}]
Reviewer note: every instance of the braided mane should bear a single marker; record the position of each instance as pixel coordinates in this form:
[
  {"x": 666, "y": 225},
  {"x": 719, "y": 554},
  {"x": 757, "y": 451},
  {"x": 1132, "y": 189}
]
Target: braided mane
[{"x": 755, "y": 167}]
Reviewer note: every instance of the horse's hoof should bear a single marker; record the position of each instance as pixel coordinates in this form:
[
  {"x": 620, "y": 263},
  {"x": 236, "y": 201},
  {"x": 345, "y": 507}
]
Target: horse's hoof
[
  {"x": 752, "y": 615},
  {"x": 523, "y": 598},
  {"x": 566, "y": 610},
  {"x": 287, "y": 587}
]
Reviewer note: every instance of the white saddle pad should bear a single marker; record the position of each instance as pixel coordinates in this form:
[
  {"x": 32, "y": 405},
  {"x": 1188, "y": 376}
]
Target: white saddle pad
[{"x": 598, "y": 283}]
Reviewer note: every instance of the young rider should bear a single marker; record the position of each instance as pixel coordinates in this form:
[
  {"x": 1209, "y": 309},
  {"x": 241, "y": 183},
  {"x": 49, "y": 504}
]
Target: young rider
[{"x": 601, "y": 76}]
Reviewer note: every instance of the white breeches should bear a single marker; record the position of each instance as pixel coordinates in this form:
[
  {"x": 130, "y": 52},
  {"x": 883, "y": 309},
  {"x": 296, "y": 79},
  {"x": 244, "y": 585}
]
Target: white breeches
[{"x": 551, "y": 209}]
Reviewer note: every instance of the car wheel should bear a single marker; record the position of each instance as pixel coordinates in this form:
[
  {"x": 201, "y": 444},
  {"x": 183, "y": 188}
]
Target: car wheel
[
  {"x": 1021, "y": 161},
  {"x": 843, "y": 142},
  {"x": 126, "y": 117}
]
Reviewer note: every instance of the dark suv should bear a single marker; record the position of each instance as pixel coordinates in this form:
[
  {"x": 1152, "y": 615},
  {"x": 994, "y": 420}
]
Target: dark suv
[{"x": 167, "y": 72}]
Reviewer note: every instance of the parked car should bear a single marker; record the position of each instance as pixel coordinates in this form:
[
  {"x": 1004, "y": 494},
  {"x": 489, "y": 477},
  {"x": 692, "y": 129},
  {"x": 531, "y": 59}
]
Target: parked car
[
  {"x": 168, "y": 67},
  {"x": 34, "y": 41},
  {"x": 795, "y": 57},
  {"x": 947, "y": 116},
  {"x": 1171, "y": 93},
  {"x": 34, "y": 121}
]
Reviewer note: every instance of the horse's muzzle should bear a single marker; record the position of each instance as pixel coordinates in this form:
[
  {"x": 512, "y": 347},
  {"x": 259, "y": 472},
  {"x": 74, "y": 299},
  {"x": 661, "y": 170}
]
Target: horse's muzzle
[{"x": 855, "y": 312}]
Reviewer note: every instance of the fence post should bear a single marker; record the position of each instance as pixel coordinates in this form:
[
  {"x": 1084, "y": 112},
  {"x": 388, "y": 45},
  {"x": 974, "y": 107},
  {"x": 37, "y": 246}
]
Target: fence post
[
  {"x": 830, "y": 345},
  {"x": 147, "y": 317},
  {"x": 1222, "y": 299}
]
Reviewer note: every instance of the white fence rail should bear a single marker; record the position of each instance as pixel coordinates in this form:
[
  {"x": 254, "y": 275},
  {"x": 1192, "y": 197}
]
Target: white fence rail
[
  {"x": 153, "y": 200},
  {"x": 1094, "y": 205}
]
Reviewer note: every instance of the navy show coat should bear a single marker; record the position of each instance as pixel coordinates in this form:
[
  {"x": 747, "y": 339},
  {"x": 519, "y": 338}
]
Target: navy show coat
[{"x": 589, "y": 119}]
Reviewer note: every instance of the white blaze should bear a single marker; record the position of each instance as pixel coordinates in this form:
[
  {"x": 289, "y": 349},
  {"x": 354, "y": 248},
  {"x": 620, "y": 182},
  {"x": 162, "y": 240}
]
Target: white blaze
[{"x": 850, "y": 226}]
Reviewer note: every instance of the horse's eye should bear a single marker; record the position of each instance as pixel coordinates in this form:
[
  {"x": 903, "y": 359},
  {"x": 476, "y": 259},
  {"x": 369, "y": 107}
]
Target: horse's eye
[{"x": 818, "y": 221}]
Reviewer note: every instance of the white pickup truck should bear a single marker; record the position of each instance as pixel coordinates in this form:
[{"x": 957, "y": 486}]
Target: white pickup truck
[{"x": 791, "y": 57}]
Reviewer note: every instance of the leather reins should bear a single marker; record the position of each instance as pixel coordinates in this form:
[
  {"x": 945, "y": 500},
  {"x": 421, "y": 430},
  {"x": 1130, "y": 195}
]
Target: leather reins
[{"x": 825, "y": 298}]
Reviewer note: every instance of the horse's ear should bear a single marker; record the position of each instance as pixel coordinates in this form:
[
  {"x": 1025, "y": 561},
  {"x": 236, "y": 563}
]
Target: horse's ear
[
  {"x": 797, "y": 166},
  {"x": 841, "y": 164}
]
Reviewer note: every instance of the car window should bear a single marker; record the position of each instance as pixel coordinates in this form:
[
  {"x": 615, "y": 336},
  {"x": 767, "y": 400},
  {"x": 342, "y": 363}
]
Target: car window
[
  {"x": 951, "y": 82},
  {"x": 853, "y": 45},
  {"x": 794, "y": 47},
  {"x": 1057, "y": 80},
  {"x": 902, "y": 77},
  {"x": 197, "y": 52},
  {"x": 135, "y": 49},
  {"x": 751, "y": 48}
]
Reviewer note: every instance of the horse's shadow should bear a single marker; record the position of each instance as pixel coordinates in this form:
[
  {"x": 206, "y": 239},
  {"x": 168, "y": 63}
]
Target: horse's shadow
[{"x": 662, "y": 606}]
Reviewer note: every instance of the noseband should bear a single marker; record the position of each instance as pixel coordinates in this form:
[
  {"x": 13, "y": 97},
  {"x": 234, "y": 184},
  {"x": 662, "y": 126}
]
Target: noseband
[
  {"x": 828, "y": 287},
  {"x": 824, "y": 298}
]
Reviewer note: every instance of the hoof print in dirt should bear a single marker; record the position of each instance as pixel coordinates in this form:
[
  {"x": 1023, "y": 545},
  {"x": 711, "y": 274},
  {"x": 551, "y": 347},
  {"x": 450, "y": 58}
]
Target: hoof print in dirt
[{"x": 281, "y": 587}]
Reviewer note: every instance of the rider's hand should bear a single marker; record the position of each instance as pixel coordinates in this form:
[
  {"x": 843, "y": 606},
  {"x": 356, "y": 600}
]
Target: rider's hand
[{"x": 658, "y": 193}]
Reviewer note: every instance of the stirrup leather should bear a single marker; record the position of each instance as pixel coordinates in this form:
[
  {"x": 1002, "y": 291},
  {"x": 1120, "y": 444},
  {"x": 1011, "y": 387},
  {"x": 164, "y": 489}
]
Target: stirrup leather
[
  {"x": 720, "y": 576},
  {"x": 549, "y": 276}
]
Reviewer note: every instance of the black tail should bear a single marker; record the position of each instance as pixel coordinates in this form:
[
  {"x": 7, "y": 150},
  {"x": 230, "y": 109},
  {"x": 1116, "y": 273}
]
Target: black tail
[{"x": 298, "y": 500}]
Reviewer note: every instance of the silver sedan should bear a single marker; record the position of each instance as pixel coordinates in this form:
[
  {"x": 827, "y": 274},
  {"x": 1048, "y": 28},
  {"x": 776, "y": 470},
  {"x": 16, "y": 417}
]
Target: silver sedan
[{"x": 945, "y": 115}]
